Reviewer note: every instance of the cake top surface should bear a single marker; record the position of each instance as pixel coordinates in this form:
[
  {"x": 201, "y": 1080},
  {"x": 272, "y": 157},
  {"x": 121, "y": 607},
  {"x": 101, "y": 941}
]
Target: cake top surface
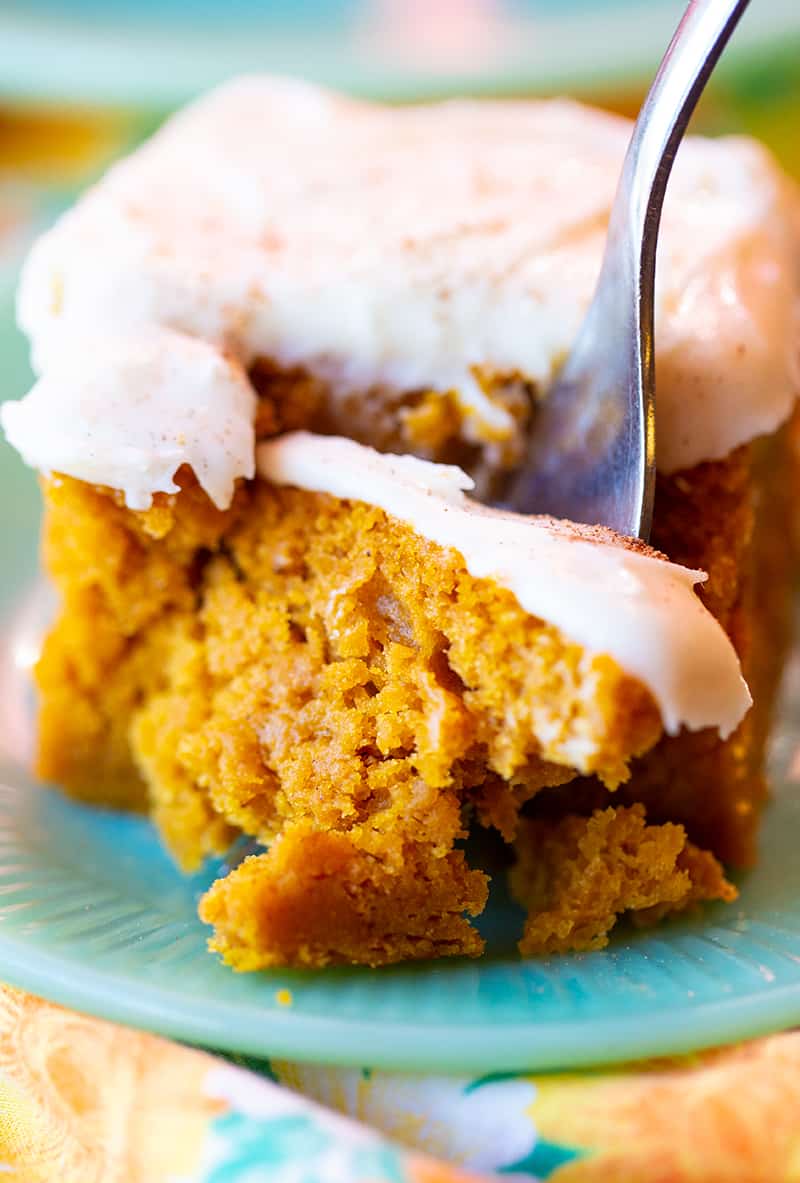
[
  {"x": 403, "y": 248},
  {"x": 610, "y": 595}
]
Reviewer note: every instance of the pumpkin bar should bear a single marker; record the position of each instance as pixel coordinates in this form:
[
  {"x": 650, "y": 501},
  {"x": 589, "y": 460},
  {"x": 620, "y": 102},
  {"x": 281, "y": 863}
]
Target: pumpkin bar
[{"x": 288, "y": 354}]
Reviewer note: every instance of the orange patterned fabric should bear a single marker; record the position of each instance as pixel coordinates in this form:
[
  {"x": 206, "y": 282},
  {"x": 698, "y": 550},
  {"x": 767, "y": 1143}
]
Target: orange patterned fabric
[
  {"x": 731, "y": 1116},
  {"x": 85, "y": 1101}
]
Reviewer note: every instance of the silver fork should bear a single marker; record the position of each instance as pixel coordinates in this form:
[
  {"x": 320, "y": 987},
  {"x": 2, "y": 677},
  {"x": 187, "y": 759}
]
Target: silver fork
[{"x": 592, "y": 450}]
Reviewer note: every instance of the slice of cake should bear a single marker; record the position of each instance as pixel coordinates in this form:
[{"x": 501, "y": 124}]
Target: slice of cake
[
  {"x": 357, "y": 661},
  {"x": 425, "y": 683},
  {"x": 334, "y": 650}
]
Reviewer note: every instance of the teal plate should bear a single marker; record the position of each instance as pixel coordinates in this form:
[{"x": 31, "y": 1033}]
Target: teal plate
[{"x": 94, "y": 915}]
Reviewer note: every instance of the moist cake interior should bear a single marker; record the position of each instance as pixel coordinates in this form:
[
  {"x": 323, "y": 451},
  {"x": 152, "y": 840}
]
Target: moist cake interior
[
  {"x": 355, "y": 673},
  {"x": 313, "y": 673}
]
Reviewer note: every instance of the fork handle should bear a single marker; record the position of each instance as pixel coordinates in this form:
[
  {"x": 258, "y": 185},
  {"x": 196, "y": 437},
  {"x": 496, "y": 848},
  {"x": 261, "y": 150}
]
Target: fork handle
[
  {"x": 629, "y": 262},
  {"x": 692, "y": 54}
]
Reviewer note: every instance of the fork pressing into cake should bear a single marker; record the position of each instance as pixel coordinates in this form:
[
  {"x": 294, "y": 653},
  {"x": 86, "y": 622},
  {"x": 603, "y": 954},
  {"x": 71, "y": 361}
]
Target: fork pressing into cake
[{"x": 592, "y": 451}]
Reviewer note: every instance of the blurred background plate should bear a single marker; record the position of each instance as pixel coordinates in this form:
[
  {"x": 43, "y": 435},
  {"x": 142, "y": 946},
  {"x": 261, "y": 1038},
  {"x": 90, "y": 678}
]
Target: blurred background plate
[{"x": 157, "y": 53}]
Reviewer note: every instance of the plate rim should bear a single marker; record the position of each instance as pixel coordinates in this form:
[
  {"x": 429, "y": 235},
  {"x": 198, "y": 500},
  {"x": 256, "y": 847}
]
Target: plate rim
[
  {"x": 260, "y": 1026},
  {"x": 263, "y": 1028},
  {"x": 271, "y": 1034}
]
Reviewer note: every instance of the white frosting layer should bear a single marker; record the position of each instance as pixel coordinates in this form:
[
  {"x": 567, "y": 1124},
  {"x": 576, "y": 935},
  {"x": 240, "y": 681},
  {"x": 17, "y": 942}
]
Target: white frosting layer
[
  {"x": 101, "y": 415},
  {"x": 397, "y": 247},
  {"x": 638, "y": 609}
]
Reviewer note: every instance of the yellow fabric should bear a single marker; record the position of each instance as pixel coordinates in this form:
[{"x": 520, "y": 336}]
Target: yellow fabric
[
  {"x": 83, "y": 1101},
  {"x": 731, "y": 1115}
]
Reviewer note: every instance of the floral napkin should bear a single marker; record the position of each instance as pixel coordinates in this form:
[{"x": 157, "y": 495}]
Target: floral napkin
[{"x": 84, "y": 1101}]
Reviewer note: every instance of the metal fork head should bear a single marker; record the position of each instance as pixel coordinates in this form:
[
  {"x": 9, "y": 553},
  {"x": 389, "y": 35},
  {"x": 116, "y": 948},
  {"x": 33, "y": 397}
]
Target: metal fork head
[
  {"x": 592, "y": 449},
  {"x": 591, "y": 456}
]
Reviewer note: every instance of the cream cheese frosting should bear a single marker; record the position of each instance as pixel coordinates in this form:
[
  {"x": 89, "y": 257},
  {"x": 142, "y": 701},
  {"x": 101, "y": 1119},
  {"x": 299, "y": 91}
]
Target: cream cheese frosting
[
  {"x": 100, "y": 417},
  {"x": 401, "y": 248},
  {"x": 611, "y": 599}
]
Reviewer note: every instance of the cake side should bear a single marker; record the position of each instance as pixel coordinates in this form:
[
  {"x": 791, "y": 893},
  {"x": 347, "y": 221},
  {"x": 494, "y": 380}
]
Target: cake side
[
  {"x": 363, "y": 709},
  {"x": 226, "y": 592},
  {"x": 742, "y": 511},
  {"x": 330, "y": 716},
  {"x": 578, "y": 875},
  {"x": 733, "y": 516}
]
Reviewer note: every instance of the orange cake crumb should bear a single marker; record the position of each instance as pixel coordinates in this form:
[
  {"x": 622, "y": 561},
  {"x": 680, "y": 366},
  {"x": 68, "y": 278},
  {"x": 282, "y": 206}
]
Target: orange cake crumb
[
  {"x": 578, "y": 875},
  {"x": 326, "y": 897}
]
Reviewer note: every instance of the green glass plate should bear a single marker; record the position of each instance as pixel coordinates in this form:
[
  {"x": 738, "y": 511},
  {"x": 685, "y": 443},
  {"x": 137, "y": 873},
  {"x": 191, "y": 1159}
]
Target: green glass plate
[{"x": 94, "y": 915}]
